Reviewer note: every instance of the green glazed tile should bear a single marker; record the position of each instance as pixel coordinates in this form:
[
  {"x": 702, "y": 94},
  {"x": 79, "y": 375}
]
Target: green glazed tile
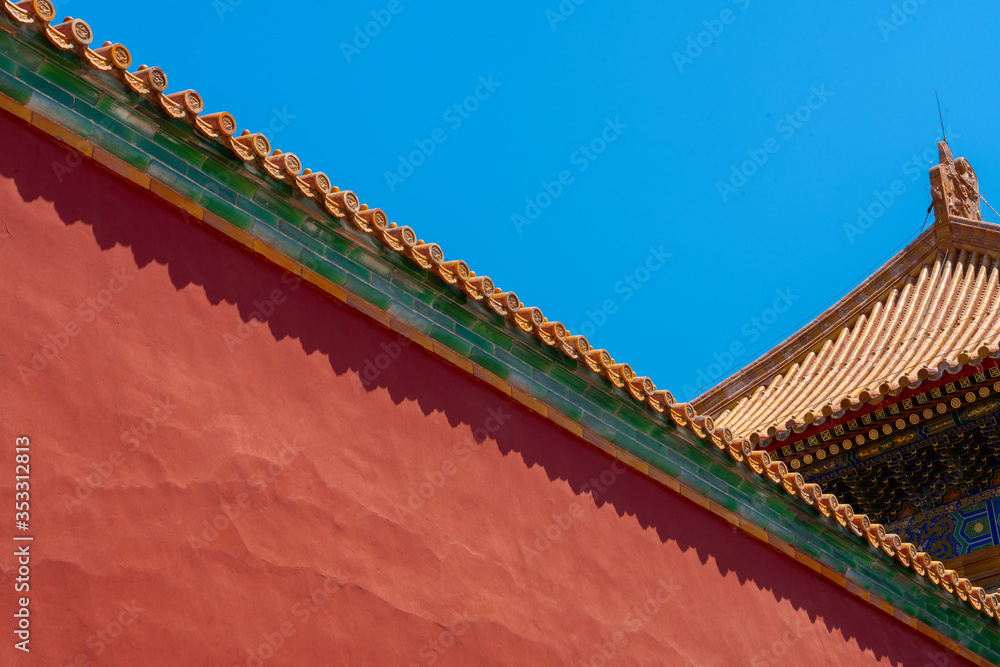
[
  {"x": 726, "y": 475},
  {"x": 463, "y": 316},
  {"x": 564, "y": 407},
  {"x": 227, "y": 211},
  {"x": 121, "y": 149},
  {"x": 560, "y": 374},
  {"x": 409, "y": 318},
  {"x": 7, "y": 65},
  {"x": 159, "y": 153},
  {"x": 276, "y": 240},
  {"x": 603, "y": 398},
  {"x": 406, "y": 266},
  {"x": 172, "y": 179},
  {"x": 721, "y": 499},
  {"x": 334, "y": 242},
  {"x": 435, "y": 315},
  {"x": 61, "y": 115},
  {"x": 636, "y": 420},
  {"x": 105, "y": 122},
  {"x": 303, "y": 239},
  {"x": 178, "y": 129},
  {"x": 451, "y": 341},
  {"x": 630, "y": 445},
  {"x": 490, "y": 363},
  {"x": 549, "y": 383},
  {"x": 27, "y": 58},
  {"x": 527, "y": 385},
  {"x": 478, "y": 341},
  {"x": 697, "y": 456},
  {"x": 280, "y": 208},
  {"x": 499, "y": 338},
  {"x": 184, "y": 150},
  {"x": 324, "y": 268},
  {"x": 127, "y": 116},
  {"x": 416, "y": 289},
  {"x": 68, "y": 81},
  {"x": 14, "y": 89},
  {"x": 693, "y": 482},
  {"x": 370, "y": 262},
  {"x": 212, "y": 185},
  {"x": 368, "y": 293},
  {"x": 45, "y": 87},
  {"x": 347, "y": 265},
  {"x": 513, "y": 362},
  {"x": 662, "y": 463},
  {"x": 591, "y": 423},
  {"x": 521, "y": 350},
  {"x": 257, "y": 211},
  {"x": 393, "y": 292},
  {"x": 227, "y": 177},
  {"x": 5, "y": 43}
]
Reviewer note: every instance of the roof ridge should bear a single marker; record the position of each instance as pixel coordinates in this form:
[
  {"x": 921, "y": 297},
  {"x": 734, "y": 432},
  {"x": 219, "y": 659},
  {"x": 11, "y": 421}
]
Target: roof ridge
[{"x": 187, "y": 106}]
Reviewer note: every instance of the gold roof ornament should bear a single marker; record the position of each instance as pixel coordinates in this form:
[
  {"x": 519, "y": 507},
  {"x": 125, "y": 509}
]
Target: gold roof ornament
[{"x": 954, "y": 187}]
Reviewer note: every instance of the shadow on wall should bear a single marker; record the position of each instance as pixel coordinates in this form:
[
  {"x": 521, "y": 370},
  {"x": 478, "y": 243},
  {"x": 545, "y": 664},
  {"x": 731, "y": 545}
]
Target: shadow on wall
[{"x": 194, "y": 255}]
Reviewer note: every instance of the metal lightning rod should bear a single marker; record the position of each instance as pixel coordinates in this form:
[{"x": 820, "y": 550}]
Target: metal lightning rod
[{"x": 941, "y": 117}]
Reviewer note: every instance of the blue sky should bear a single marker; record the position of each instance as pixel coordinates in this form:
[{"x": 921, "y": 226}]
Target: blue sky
[{"x": 662, "y": 177}]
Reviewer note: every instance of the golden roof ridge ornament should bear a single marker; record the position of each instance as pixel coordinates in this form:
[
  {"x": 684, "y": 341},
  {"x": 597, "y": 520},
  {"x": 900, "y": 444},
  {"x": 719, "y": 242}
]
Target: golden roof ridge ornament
[{"x": 954, "y": 188}]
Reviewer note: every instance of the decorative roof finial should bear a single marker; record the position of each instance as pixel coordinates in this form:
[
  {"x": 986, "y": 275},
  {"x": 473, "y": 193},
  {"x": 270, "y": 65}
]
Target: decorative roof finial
[{"x": 954, "y": 188}]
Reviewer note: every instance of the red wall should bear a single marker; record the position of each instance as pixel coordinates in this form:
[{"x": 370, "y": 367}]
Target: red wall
[{"x": 152, "y": 399}]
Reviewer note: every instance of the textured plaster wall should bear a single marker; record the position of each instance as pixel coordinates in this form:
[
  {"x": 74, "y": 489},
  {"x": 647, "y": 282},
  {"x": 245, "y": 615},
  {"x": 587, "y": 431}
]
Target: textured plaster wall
[{"x": 229, "y": 468}]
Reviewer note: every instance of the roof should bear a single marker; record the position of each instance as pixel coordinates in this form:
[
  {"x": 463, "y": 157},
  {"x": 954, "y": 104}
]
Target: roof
[
  {"x": 263, "y": 198},
  {"x": 932, "y": 309}
]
